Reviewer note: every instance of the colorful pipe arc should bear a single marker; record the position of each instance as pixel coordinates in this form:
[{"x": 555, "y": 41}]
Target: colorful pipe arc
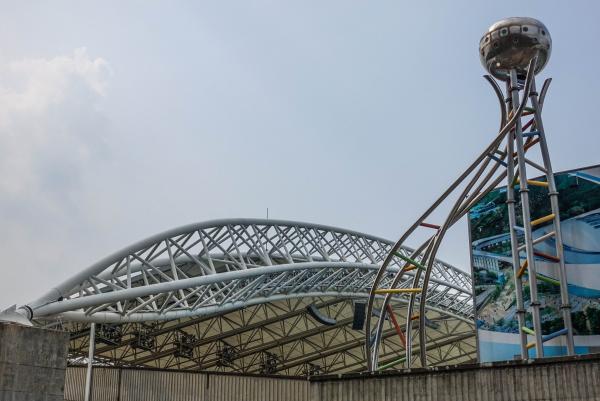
[{"x": 503, "y": 159}]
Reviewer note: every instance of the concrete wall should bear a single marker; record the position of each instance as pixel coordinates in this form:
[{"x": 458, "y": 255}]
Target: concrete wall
[
  {"x": 574, "y": 379},
  {"x": 32, "y": 363}
]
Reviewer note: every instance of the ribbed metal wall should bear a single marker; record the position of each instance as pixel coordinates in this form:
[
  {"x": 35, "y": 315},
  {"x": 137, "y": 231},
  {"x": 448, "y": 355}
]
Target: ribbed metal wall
[
  {"x": 105, "y": 384},
  {"x": 74, "y": 384},
  {"x": 140, "y": 385},
  {"x": 564, "y": 379},
  {"x": 153, "y": 385},
  {"x": 240, "y": 388}
]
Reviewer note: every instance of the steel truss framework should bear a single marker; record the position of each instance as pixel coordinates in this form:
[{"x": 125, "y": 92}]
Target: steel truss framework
[
  {"x": 220, "y": 266},
  {"x": 240, "y": 287},
  {"x": 281, "y": 331}
]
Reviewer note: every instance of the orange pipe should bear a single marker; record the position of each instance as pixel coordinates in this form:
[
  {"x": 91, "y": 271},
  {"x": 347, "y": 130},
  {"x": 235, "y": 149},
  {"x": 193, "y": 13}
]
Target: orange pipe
[{"x": 522, "y": 269}]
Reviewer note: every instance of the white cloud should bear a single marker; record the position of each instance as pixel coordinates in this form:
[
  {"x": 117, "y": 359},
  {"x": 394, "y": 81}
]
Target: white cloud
[
  {"x": 52, "y": 141},
  {"x": 49, "y": 116}
]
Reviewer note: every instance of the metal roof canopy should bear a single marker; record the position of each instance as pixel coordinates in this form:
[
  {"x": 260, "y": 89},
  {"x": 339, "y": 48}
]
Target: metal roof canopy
[{"x": 229, "y": 273}]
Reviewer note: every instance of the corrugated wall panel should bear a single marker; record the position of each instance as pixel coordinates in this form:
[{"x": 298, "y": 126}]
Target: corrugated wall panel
[
  {"x": 74, "y": 384},
  {"x": 236, "y": 388},
  {"x": 105, "y": 385},
  {"x": 144, "y": 385}
]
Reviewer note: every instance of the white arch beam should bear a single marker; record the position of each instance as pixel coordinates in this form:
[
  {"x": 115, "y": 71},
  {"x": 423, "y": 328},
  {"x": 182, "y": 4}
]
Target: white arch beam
[{"x": 222, "y": 265}]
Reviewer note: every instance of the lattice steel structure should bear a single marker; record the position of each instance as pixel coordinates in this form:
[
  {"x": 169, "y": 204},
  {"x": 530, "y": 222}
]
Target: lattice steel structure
[
  {"x": 283, "y": 332},
  {"x": 513, "y": 50},
  {"x": 220, "y": 266},
  {"x": 232, "y": 295}
]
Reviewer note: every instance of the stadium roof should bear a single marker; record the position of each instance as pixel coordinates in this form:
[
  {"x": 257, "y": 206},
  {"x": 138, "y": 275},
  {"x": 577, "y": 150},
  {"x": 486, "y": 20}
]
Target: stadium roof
[{"x": 250, "y": 296}]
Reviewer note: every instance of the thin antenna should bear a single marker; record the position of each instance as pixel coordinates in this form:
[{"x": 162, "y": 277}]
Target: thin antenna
[{"x": 267, "y": 213}]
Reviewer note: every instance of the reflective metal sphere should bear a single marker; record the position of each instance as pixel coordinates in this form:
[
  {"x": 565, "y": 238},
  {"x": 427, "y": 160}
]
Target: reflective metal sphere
[{"x": 512, "y": 43}]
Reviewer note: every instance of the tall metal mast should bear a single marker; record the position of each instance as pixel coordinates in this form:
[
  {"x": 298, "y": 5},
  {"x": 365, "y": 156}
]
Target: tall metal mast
[
  {"x": 504, "y": 50},
  {"x": 513, "y": 50}
]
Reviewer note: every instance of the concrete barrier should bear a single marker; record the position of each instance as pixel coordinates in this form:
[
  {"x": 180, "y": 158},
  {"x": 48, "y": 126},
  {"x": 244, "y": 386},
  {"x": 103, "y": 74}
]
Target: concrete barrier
[
  {"x": 550, "y": 379},
  {"x": 33, "y": 362}
]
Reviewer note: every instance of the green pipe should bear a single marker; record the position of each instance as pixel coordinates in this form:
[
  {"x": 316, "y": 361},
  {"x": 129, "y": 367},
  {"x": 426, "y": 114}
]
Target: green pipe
[
  {"x": 393, "y": 363},
  {"x": 547, "y": 279},
  {"x": 409, "y": 260},
  {"x": 528, "y": 330}
]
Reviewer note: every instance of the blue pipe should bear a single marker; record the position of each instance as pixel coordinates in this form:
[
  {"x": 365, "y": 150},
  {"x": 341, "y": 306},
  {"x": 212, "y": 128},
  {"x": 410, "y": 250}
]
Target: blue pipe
[
  {"x": 558, "y": 333},
  {"x": 531, "y": 133},
  {"x": 502, "y": 162}
]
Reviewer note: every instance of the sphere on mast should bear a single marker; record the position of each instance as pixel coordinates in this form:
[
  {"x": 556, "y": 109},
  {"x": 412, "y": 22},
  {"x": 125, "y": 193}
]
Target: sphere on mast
[{"x": 511, "y": 43}]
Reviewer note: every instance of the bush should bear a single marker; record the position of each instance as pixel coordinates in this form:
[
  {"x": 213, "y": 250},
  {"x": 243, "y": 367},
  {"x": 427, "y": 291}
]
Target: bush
[
  {"x": 526, "y": 293},
  {"x": 579, "y": 323},
  {"x": 550, "y": 326},
  {"x": 593, "y": 315},
  {"x": 496, "y": 293}
]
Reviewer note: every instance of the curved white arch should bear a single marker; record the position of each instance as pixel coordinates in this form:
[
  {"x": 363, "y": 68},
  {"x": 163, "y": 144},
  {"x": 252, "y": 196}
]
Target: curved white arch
[{"x": 220, "y": 265}]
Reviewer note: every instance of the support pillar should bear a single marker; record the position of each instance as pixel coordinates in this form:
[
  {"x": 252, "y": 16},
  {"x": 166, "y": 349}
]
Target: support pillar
[{"x": 90, "y": 363}]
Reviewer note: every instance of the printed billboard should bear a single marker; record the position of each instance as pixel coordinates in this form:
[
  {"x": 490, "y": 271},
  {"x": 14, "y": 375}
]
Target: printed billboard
[{"x": 493, "y": 276}]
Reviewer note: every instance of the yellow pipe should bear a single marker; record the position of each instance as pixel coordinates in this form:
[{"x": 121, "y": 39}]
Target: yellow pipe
[
  {"x": 534, "y": 182},
  {"x": 397, "y": 290},
  {"x": 414, "y": 317},
  {"x": 537, "y": 183},
  {"x": 542, "y": 220},
  {"x": 530, "y": 345}
]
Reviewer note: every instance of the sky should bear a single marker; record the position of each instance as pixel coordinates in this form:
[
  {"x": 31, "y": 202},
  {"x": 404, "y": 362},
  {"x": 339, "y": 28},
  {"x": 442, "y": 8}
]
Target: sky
[{"x": 119, "y": 120}]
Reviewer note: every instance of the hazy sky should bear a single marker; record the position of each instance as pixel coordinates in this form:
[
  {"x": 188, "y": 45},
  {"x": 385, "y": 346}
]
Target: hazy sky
[{"x": 119, "y": 120}]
